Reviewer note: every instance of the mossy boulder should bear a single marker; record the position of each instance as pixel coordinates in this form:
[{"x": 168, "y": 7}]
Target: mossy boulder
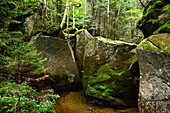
[
  {"x": 109, "y": 85},
  {"x": 107, "y": 76},
  {"x": 156, "y": 16},
  {"x": 100, "y": 51}
]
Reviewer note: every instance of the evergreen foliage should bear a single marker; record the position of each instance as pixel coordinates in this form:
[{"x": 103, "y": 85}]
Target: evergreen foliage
[
  {"x": 19, "y": 58},
  {"x": 31, "y": 101}
]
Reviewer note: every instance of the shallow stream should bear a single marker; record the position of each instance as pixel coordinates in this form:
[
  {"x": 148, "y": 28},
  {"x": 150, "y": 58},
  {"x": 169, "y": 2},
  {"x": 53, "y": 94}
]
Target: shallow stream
[{"x": 75, "y": 102}]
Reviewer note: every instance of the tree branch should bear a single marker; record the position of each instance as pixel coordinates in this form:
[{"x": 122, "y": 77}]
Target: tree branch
[{"x": 142, "y": 3}]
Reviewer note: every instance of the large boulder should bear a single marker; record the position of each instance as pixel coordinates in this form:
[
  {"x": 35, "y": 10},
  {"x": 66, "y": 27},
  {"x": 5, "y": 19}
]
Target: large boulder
[
  {"x": 106, "y": 74},
  {"x": 110, "y": 87},
  {"x": 60, "y": 62},
  {"x": 82, "y": 39},
  {"x": 154, "y": 82},
  {"x": 156, "y": 18},
  {"x": 34, "y": 23},
  {"x": 154, "y": 61},
  {"x": 100, "y": 51}
]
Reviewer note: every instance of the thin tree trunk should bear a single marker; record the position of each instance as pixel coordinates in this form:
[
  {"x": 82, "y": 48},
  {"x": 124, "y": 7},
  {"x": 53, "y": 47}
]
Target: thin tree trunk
[
  {"x": 65, "y": 14},
  {"x": 108, "y": 18},
  {"x": 93, "y": 15},
  {"x": 52, "y": 6},
  {"x": 104, "y": 26},
  {"x": 74, "y": 25},
  {"x": 85, "y": 12},
  {"x": 68, "y": 15},
  {"x": 98, "y": 20}
]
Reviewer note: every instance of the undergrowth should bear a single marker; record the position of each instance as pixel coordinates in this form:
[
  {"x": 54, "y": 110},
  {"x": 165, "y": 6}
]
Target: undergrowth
[{"x": 31, "y": 101}]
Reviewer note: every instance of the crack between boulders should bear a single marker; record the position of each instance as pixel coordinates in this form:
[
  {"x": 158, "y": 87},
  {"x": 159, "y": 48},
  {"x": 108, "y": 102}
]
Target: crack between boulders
[{"x": 154, "y": 44}]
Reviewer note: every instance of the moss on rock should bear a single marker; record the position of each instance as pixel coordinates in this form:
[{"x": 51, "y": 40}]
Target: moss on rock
[
  {"x": 155, "y": 15},
  {"x": 109, "y": 85},
  {"x": 164, "y": 28},
  {"x": 161, "y": 41}
]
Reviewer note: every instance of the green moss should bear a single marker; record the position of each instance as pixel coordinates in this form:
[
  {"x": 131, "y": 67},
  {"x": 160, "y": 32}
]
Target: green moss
[
  {"x": 91, "y": 90},
  {"x": 164, "y": 28},
  {"x": 107, "y": 70},
  {"x": 105, "y": 94},
  {"x": 109, "y": 84},
  {"x": 153, "y": 21},
  {"x": 78, "y": 31},
  {"x": 152, "y": 7},
  {"x": 102, "y": 87},
  {"x": 72, "y": 35},
  {"x": 166, "y": 9},
  {"x": 100, "y": 78},
  {"x": 161, "y": 41},
  {"x": 147, "y": 46}
]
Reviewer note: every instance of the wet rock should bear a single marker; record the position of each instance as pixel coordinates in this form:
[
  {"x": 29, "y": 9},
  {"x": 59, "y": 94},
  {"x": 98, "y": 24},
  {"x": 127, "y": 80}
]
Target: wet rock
[
  {"x": 62, "y": 71},
  {"x": 154, "y": 82}
]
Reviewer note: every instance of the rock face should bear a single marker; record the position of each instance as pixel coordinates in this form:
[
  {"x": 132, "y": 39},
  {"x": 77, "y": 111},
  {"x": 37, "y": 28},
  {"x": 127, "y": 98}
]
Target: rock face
[
  {"x": 60, "y": 61},
  {"x": 82, "y": 39},
  {"x": 156, "y": 43},
  {"x": 34, "y": 23},
  {"x": 100, "y": 51},
  {"x": 154, "y": 82},
  {"x": 156, "y": 18},
  {"x": 106, "y": 74},
  {"x": 154, "y": 58},
  {"x": 154, "y": 63}
]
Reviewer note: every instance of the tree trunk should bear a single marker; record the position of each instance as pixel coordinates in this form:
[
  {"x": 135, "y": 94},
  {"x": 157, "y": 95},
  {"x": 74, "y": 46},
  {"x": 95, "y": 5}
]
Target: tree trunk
[
  {"x": 85, "y": 12},
  {"x": 65, "y": 14},
  {"x": 108, "y": 18},
  {"x": 74, "y": 25}
]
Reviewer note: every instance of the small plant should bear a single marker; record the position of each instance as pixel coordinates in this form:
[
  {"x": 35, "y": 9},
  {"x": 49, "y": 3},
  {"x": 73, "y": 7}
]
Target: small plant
[
  {"x": 102, "y": 87},
  {"x": 92, "y": 90},
  {"x": 105, "y": 94}
]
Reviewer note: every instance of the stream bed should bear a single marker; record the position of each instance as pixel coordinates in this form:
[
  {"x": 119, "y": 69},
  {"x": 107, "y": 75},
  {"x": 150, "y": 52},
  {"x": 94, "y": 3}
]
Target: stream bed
[{"x": 75, "y": 102}]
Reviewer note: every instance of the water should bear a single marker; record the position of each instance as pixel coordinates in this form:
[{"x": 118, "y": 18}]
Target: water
[{"x": 75, "y": 102}]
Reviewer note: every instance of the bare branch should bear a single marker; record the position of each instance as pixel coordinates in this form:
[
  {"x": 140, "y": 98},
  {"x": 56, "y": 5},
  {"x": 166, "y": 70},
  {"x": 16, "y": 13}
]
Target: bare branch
[{"x": 142, "y": 3}]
